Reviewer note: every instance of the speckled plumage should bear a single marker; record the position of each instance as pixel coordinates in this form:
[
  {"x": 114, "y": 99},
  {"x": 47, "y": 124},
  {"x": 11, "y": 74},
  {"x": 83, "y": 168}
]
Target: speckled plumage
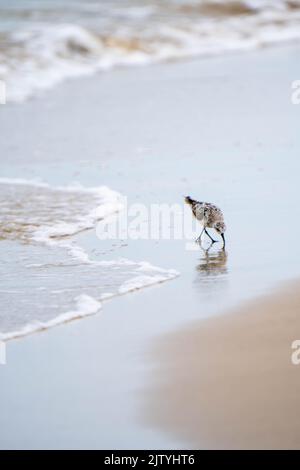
[{"x": 209, "y": 215}]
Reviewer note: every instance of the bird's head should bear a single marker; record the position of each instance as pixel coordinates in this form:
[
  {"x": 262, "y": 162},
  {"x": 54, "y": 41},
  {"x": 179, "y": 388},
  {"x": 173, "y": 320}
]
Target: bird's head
[
  {"x": 188, "y": 200},
  {"x": 220, "y": 227}
]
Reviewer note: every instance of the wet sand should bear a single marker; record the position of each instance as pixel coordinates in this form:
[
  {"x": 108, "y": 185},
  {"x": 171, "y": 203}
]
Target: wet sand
[{"x": 229, "y": 382}]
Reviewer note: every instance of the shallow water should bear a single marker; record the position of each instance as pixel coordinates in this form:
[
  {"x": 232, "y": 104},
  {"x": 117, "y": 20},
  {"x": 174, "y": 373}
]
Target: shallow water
[{"x": 46, "y": 277}]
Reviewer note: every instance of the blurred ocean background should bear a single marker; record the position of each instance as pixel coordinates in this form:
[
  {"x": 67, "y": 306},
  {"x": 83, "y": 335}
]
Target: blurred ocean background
[{"x": 43, "y": 42}]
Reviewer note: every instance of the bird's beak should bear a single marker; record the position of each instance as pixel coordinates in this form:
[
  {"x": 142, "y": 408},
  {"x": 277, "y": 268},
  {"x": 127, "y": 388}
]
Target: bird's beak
[{"x": 222, "y": 235}]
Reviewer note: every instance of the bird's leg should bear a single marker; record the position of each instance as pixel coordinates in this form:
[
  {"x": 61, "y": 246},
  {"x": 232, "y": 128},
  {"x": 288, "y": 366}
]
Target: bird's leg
[
  {"x": 212, "y": 240},
  {"x": 222, "y": 235},
  {"x": 199, "y": 238}
]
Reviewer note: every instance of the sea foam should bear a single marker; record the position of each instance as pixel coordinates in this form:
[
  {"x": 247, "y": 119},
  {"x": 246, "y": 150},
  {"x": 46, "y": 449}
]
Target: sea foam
[
  {"x": 41, "y": 53},
  {"x": 47, "y": 277},
  {"x": 85, "y": 306}
]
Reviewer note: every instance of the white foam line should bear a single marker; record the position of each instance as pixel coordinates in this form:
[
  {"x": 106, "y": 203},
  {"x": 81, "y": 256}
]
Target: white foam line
[
  {"x": 25, "y": 182},
  {"x": 70, "y": 187},
  {"x": 139, "y": 282},
  {"x": 109, "y": 202},
  {"x": 85, "y": 306}
]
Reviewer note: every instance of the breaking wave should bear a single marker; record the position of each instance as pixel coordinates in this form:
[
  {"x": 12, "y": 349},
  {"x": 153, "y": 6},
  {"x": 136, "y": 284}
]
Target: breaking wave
[{"x": 38, "y": 50}]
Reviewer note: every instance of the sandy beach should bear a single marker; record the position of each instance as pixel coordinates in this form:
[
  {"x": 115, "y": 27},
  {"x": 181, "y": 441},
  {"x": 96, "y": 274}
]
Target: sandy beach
[
  {"x": 229, "y": 382},
  {"x": 222, "y": 128}
]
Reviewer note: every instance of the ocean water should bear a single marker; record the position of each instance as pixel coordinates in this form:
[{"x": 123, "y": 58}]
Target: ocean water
[
  {"x": 47, "y": 278},
  {"x": 43, "y": 42}
]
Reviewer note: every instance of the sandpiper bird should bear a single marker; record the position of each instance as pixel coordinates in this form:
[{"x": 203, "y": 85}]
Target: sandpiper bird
[{"x": 209, "y": 215}]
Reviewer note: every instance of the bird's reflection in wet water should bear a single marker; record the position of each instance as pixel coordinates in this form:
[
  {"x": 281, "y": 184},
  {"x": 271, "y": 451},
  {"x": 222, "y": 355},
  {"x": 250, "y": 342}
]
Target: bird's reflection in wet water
[{"x": 212, "y": 271}]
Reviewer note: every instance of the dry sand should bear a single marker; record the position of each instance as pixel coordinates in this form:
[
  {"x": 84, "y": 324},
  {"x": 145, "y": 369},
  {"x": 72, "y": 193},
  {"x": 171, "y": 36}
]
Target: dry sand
[{"x": 229, "y": 382}]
